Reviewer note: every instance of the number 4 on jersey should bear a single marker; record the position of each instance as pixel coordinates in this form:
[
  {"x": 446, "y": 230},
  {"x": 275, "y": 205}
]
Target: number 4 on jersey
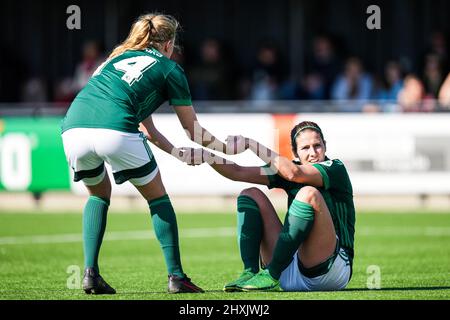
[{"x": 134, "y": 67}]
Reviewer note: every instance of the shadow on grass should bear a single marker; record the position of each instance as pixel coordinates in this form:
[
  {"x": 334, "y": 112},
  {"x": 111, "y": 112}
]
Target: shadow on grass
[
  {"x": 165, "y": 292},
  {"x": 398, "y": 289},
  {"x": 345, "y": 290},
  {"x": 76, "y": 292}
]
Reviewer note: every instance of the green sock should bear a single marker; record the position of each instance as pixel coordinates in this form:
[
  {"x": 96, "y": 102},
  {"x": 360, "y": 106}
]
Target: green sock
[
  {"x": 297, "y": 225},
  {"x": 94, "y": 224},
  {"x": 249, "y": 231},
  {"x": 166, "y": 230}
]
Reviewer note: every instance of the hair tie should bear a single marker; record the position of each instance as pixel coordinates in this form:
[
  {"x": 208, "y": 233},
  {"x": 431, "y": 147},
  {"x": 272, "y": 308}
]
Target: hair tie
[
  {"x": 150, "y": 25},
  {"x": 307, "y": 127}
]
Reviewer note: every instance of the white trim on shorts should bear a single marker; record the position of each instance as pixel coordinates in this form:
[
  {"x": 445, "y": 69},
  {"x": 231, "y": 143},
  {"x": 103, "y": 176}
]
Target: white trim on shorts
[
  {"x": 128, "y": 154},
  {"x": 144, "y": 180},
  {"x": 336, "y": 278}
]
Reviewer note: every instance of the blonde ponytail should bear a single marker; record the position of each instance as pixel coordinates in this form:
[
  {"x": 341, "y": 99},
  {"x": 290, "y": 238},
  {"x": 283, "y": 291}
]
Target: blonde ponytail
[{"x": 149, "y": 30}]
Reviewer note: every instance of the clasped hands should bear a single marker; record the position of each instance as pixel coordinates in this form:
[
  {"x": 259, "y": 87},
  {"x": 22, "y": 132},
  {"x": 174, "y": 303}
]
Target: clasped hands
[{"x": 196, "y": 156}]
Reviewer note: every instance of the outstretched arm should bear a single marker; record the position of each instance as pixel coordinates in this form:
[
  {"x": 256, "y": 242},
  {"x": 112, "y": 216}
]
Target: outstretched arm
[
  {"x": 154, "y": 136},
  {"x": 196, "y": 133},
  {"x": 233, "y": 171},
  {"x": 290, "y": 171},
  {"x": 158, "y": 139}
]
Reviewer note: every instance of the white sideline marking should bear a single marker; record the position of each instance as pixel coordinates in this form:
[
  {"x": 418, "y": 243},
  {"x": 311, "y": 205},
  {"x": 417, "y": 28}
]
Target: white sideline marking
[
  {"x": 117, "y": 235},
  {"x": 403, "y": 231},
  {"x": 214, "y": 232}
]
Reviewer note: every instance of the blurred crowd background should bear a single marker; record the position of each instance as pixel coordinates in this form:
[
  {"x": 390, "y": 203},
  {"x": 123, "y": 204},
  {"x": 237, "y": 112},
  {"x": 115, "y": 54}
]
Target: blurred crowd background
[{"x": 259, "y": 51}]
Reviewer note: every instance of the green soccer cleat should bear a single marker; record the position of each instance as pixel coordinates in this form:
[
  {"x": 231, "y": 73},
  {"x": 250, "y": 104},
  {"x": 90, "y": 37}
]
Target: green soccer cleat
[
  {"x": 234, "y": 285},
  {"x": 262, "y": 281}
]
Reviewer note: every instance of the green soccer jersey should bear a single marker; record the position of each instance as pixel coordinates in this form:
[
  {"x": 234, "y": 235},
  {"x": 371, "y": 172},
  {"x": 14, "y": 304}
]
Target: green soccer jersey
[
  {"x": 126, "y": 89},
  {"x": 338, "y": 194}
]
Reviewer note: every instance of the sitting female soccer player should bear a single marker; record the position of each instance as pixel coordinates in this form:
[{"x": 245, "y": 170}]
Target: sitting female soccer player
[
  {"x": 313, "y": 248},
  {"x": 104, "y": 122}
]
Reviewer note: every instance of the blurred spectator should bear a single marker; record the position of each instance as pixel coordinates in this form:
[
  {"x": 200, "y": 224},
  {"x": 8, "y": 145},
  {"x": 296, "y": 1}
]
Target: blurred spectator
[
  {"x": 64, "y": 91},
  {"x": 444, "y": 93},
  {"x": 92, "y": 58},
  {"x": 312, "y": 87},
  {"x": 392, "y": 82},
  {"x": 410, "y": 97},
  {"x": 390, "y": 86},
  {"x": 433, "y": 75},
  {"x": 354, "y": 83},
  {"x": 439, "y": 47},
  {"x": 211, "y": 79},
  {"x": 268, "y": 74},
  {"x": 34, "y": 90},
  {"x": 67, "y": 88},
  {"x": 322, "y": 69},
  {"x": 288, "y": 90}
]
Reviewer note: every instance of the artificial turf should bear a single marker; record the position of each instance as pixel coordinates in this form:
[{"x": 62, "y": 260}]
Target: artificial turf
[{"x": 41, "y": 253}]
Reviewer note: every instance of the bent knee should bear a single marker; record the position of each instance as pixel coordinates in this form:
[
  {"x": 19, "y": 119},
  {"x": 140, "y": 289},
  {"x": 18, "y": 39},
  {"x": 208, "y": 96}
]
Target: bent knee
[
  {"x": 309, "y": 195},
  {"x": 253, "y": 193}
]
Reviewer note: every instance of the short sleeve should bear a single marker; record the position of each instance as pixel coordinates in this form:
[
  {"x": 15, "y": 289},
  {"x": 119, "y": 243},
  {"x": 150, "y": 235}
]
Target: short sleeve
[
  {"x": 334, "y": 175},
  {"x": 277, "y": 181},
  {"x": 178, "y": 88}
]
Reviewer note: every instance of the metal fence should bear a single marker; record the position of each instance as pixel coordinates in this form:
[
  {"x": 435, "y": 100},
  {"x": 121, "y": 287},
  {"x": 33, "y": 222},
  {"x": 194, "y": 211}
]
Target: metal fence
[{"x": 248, "y": 106}]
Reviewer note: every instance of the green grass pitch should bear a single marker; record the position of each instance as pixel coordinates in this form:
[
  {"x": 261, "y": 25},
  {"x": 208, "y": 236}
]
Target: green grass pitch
[{"x": 40, "y": 254}]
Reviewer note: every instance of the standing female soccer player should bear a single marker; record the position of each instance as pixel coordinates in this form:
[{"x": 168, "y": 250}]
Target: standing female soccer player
[
  {"x": 110, "y": 120},
  {"x": 313, "y": 249}
]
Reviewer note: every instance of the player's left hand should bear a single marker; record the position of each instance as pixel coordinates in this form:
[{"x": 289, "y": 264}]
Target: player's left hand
[{"x": 236, "y": 144}]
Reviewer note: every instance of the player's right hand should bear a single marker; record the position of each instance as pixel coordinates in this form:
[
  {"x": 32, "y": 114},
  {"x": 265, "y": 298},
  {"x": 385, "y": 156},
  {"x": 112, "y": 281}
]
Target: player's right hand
[{"x": 190, "y": 156}]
